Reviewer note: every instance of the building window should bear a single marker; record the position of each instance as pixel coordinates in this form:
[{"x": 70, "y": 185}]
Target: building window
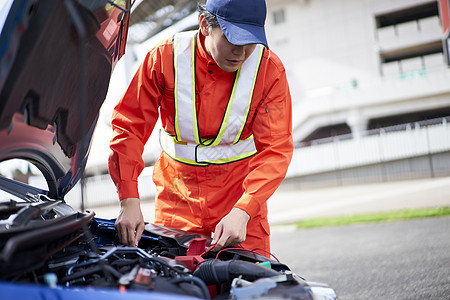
[
  {"x": 278, "y": 16},
  {"x": 412, "y": 13},
  {"x": 408, "y": 34}
]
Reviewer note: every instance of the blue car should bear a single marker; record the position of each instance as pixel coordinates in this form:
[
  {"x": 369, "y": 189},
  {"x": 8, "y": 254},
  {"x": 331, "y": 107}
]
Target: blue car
[{"x": 56, "y": 59}]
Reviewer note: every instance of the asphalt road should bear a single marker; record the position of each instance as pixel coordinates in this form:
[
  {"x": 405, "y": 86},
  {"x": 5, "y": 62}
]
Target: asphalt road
[{"x": 397, "y": 260}]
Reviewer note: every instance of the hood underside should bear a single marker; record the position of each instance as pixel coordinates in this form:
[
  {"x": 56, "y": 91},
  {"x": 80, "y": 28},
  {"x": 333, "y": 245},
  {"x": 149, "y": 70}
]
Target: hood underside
[{"x": 56, "y": 59}]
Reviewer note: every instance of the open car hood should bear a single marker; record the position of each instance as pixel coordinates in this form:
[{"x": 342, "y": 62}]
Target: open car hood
[{"x": 56, "y": 59}]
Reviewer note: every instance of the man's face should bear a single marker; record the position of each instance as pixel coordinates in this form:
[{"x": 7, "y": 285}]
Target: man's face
[{"x": 227, "y": 56}]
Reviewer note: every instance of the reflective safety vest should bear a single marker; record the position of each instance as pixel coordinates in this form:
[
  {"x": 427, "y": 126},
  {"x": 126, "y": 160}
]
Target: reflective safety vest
[{"x": 186, "y": 145}]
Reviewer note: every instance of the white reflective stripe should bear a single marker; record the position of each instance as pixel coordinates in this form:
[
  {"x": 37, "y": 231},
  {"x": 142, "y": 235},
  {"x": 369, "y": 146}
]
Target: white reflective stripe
[
  {"x": 196, "y": 154},
  {"x": 242, "y": 97},
  {"x": 175, "y": 150},
  {"x": 185, "y": 112},
  {"x": 226, "y": 153}
]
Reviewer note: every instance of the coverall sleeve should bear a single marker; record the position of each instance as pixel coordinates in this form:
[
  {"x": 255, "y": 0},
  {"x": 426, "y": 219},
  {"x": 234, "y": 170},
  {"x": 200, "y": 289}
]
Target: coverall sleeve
[
  {"x": 272, "y": 130},
  {"x": 133, "y": 120}
]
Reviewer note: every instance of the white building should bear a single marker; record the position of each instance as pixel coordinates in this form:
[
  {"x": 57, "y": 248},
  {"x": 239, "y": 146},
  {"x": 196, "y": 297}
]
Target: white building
[{"x": 355, "y": 65}]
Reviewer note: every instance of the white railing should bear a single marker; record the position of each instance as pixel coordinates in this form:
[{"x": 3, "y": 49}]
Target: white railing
[{"x": 383, "y": 146}]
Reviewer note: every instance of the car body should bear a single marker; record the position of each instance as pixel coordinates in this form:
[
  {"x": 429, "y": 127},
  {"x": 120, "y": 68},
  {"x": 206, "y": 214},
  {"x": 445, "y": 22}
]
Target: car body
[{"x": 56, "y": 60}]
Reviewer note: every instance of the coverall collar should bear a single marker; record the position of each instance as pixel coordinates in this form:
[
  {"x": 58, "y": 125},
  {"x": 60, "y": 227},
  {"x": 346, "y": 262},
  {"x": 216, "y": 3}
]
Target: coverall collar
[{"x": 202, "y": 56}]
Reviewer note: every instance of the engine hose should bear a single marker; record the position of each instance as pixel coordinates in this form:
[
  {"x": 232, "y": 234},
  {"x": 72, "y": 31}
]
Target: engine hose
[
  {"x": 216, "y": 271},
  {"x": 196, "y": 281}
]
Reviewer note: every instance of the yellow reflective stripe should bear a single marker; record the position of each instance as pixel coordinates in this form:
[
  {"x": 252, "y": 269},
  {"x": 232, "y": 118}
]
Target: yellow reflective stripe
[
  {"x": 247, "y": 111},
  {"x": 224, "y": 124},
  {"x": 194, "y": 99},
  {"x": 222, "y": 161},
  {"x": 187, "y": 161},
  {"x": 175, "y": 65},
  {"x": 169, "y": 145},
  {"x": 184, "y": 88},
  {"x": 215, "y": 162},
  {"x": 193, "y": 154},
  {"x": 249, "y": 143}
]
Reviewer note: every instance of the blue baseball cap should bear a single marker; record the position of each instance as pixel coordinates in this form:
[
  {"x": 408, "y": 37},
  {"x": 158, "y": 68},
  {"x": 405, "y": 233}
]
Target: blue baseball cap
[{"x": 242, "y": 21}]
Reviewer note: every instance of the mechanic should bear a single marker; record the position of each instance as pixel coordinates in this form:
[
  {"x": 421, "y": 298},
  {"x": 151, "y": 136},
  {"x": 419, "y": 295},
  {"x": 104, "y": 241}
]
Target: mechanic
[{"x": 225, "y": 110}]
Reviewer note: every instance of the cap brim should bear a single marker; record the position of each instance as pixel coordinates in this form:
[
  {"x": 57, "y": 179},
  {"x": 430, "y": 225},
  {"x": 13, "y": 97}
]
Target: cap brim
[{"x": 243, "y": 34}]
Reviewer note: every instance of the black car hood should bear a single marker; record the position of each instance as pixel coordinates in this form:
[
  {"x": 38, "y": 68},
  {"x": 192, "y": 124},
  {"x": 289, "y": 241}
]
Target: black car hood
[{"x": 56, "y": 59}]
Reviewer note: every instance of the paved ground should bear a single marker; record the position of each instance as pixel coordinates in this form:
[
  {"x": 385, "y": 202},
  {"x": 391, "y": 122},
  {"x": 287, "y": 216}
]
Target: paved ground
[
  {"x": 394, "y": 260},
  {"x": 398, "y": 260},
  {"x": 288, "y": 206}
]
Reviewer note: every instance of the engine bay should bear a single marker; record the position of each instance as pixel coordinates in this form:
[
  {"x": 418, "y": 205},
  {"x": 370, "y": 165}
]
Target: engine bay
[{"x": 47, "y": 243}]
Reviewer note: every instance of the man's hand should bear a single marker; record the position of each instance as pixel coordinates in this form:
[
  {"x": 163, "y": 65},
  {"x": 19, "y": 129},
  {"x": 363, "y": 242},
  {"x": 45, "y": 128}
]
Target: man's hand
[
  {"x": 130, "y": 222},
  {"x": 231, "y": 230}
]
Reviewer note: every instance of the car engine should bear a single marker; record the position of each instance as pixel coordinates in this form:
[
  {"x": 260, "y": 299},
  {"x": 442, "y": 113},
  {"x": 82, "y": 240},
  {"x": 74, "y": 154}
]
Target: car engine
[{"x": 48, "y": 243}]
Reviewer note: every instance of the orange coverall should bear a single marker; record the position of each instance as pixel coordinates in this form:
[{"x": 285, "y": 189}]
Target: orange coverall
[{"x": 196, "y": 198}]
